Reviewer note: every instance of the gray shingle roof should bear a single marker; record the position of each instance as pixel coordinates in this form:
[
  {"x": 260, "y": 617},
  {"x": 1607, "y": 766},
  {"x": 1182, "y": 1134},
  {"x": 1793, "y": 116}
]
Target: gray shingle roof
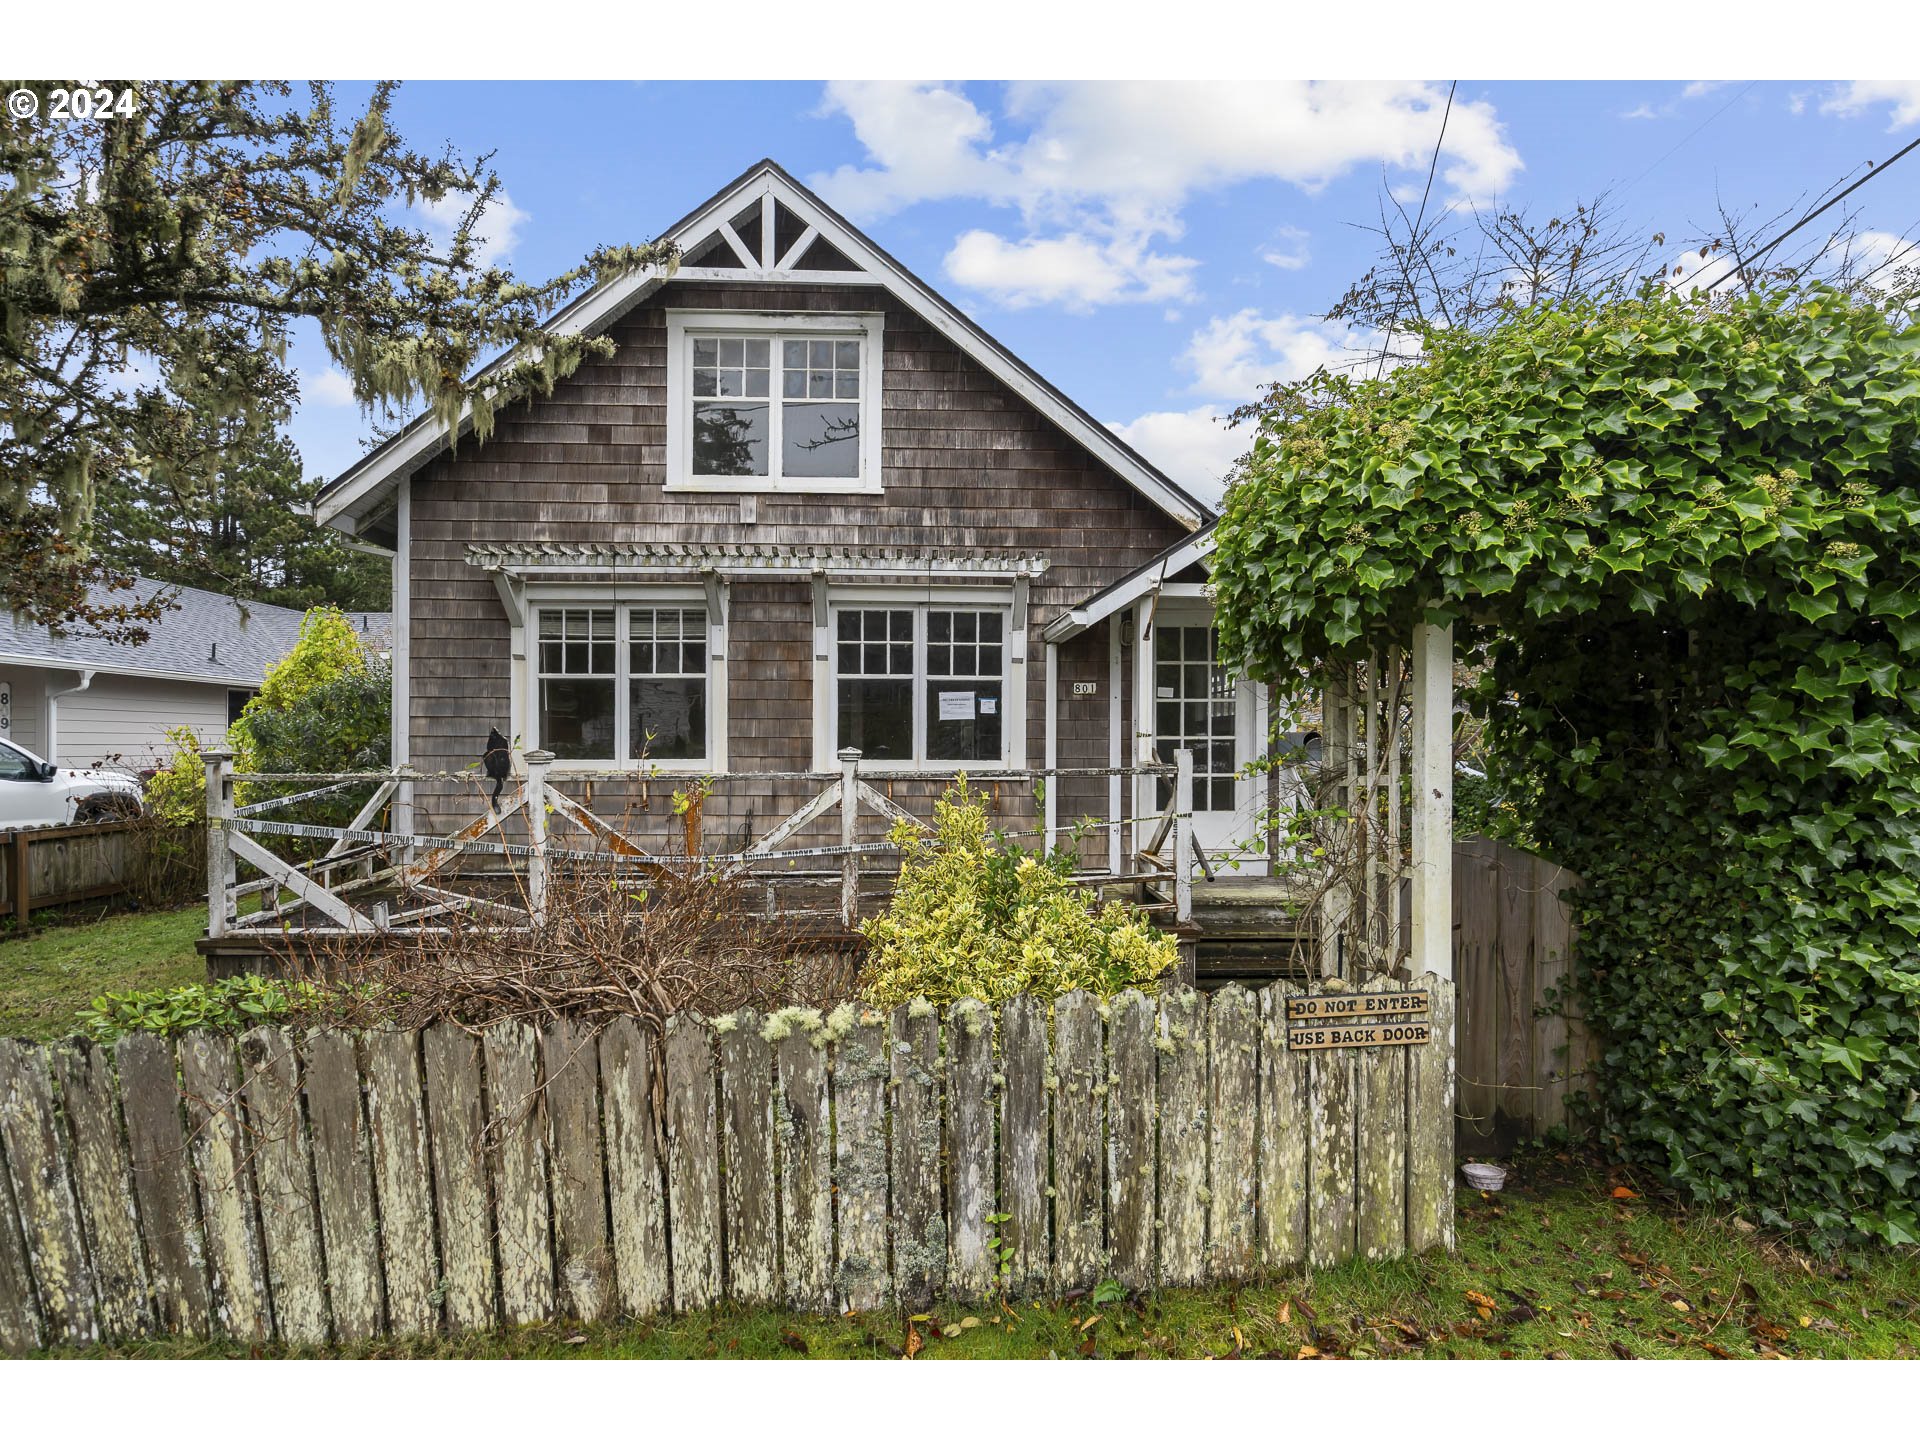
[{"x": 208, "y": 637}]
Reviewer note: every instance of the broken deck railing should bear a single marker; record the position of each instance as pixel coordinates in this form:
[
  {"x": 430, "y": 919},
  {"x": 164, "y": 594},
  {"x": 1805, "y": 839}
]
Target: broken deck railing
[{"x": 371, "y": 880}]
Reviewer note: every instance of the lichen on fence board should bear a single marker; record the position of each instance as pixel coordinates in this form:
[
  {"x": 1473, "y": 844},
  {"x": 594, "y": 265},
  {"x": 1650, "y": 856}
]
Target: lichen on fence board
[{"x": 323, "y": 1185}]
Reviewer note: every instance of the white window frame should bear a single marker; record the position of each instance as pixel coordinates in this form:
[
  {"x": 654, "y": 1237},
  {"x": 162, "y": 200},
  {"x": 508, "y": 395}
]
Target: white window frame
[
  {"x": 921, "y": 599},
  {"x": 685, "y": 326},
  {"x": 622, "y": 602}
]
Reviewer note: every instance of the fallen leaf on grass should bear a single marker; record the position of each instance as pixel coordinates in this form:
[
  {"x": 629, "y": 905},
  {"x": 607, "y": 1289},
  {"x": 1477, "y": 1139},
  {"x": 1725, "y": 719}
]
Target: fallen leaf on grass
[
  {"x": 1307, "y": 1352},
  {"x": 793, "y": 1340},
  {"x": 574, "y": 1340},
  {"x": 1620, "y": 1352},
  {"x": 1285, "y": 1315},
  {"x": 1621, "y": 1192},
  {"x": 914, "y": 1343}
]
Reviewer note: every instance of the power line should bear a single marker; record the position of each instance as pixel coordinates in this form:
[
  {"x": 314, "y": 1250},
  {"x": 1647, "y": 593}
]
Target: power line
[
  {"x": 1413, "y": 240},
  {"x": 1812, "y": 214},
  {"x": 1738, "y": 95}
]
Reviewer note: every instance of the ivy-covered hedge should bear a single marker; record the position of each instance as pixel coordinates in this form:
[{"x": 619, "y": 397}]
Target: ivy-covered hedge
[{"x": 1684, "y": 539}]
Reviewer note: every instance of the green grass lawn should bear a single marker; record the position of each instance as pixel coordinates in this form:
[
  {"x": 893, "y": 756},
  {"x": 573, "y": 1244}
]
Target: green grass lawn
[
  {"x": 53, "y": 970},
  {"x": 1554, "y": 1267}
]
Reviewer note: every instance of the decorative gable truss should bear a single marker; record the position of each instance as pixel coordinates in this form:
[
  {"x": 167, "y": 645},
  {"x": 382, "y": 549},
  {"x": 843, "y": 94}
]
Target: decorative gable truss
[{"x": 766, "y": 227}]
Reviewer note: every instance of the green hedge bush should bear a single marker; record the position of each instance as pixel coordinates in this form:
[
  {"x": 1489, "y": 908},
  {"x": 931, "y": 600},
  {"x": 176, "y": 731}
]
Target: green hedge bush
[
  {"x": 237, "y": 1003},
  {"x": 973, "y": 915},
  {"x": 1683, "y": 538}
]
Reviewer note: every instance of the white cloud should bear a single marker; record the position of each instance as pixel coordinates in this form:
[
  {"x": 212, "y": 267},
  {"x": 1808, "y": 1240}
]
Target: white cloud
[
  {"x": 1694, "y": 89},
  {"x": 496, "y": 234},
  {"x": 325, "y": 387},
  {"x": 1099, "y": 171},
  {"x": 1692, "y": 271},
  {"x": 1883, "y": 259},
  {"x": 1642, "y": 111},
  {"x": 1856, "y": 96},
  {"x": 1075, "y": 271},
  {"x": 1289, "y": 252},
  {"x": 1235, "y": 357},
  {"x": 1194, "y": 448}
]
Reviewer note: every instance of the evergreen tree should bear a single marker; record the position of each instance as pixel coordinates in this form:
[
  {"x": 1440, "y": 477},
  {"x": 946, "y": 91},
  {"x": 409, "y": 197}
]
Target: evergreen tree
[
  {"x": 246, "y": 532},
  {"x": 154, "y": 263}
]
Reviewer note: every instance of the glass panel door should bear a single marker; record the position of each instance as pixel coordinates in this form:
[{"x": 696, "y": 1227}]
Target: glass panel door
[{"x": 1195, "y": 708}]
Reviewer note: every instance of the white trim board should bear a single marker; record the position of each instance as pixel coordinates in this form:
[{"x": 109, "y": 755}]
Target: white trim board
[{"x": 359, "y": 490}]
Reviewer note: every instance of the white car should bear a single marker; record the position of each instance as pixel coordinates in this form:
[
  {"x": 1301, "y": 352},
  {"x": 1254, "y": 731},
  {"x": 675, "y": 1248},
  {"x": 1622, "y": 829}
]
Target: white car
[{"x": 35, "y": 792}]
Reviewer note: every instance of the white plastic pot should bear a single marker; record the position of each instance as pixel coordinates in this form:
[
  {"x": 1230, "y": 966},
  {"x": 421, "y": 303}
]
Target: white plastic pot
[{"x": 1484, "y": 1177}]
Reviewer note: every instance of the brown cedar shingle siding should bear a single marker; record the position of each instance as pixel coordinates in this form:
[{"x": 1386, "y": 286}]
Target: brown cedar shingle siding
[{"x": 966, "y": 464}]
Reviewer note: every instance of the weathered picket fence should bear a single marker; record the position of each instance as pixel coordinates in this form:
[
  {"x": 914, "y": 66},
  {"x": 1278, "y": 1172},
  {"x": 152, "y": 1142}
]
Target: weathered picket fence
[{"x": 324, "y": 1186}]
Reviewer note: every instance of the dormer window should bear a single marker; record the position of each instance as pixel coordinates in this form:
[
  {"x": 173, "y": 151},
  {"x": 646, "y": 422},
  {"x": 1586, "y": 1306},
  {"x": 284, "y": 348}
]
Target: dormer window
[{"x": 773, "y": 402}]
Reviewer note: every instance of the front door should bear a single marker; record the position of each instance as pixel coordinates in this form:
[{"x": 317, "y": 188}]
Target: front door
[{"x": 1201, "y": 707}]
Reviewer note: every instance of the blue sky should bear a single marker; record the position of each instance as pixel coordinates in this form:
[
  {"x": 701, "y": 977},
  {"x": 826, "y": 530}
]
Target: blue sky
[{"x": 1156, "y": 250}]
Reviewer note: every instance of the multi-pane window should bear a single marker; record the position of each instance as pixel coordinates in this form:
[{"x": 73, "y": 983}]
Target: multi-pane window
[
  {"x": 623, "y": 683},
  {"x": 921, "y": 684},
  {"x": 875, "y": 690},
  {"x": 578, "y": 675},
  {"x": 776, "y": 407},
  {"x": 1195, "y": 709},
  {"x": 966, "y": 673},
  {"x": 667, "y": 684}
]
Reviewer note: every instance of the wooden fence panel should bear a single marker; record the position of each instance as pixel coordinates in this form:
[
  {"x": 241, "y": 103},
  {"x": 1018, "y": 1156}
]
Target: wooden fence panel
[
  {"x": 1178, "y": 1141},
  {"x": 103, "y": 1183},
  {"x": 693, "y": 1163},
  {"x": 746, "y": 1119},
  {"x": 970, "y": 1115},
  {"x": 636, "y": 1189},
  {"x": 20, "y": 1329},
  {"x": 343, "y": 1183},
  {"x": 860, "y": 1075},
  {"x": 1430, "y": 1128},
  {"x": 1330, "y": 1140},
  {"x": 583, "y": 1254},
  {"x": 283, "y": 1177},
  {"x": 458, "y": 1116},
  {"x": 1233, "y": 1117},
  {"x": 1524, "y": 1050},
  {"x": 404, "y": 1171},
  {"x": 517, "y": 1162},
  {"x": 1182, "y": 1042},
  {"x": 804, "y": 1129},
  {"x": 224, "y": 1180},
  {"x": 1132, "y": 1165},
  {"x": 919, "y": 1226},
  {"x": 1080, "y": 1083},
  {"x": 1023, "y": 1141},
  {"x": 1285, "y": 1128},
  {"x": 163, "y": 1184},
  {"x": 1380, "y": 1137},
  {"x": 37, "y": 1158}
]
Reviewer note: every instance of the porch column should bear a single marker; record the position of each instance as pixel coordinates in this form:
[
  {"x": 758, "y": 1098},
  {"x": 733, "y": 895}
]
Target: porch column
[{"x": 1432, "y": 785}]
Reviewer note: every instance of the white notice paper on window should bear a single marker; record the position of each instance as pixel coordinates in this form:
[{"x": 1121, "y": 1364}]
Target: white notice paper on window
[
  {"x": 956, "y": 704},
  {"x": 989, "y": 705}
]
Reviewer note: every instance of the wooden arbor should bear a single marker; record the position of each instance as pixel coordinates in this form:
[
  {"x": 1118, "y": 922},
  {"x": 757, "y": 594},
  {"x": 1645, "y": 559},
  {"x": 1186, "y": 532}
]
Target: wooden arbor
[{"x": 1388, "y": 749}]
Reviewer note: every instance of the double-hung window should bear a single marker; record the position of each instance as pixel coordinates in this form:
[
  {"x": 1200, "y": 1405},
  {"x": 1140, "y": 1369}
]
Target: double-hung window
[
  {"x": 624, "y": 684},
  {"x": 773, "y": 402},
  {"x": 921, "y": 684}
]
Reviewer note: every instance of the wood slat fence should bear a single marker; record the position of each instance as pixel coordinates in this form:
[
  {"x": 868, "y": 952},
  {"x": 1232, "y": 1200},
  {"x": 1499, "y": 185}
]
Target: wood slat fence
[
  {"x": 1525, "y": 1049},
  {"x": 323, "y": 1187},
  {"x": 43, "y": 865}
]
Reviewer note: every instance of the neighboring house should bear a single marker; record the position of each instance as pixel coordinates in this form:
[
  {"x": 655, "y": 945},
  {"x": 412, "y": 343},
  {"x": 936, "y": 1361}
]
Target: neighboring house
[
  {"x": 79, "y": 699},
  {"x": 807, "y": 505}
]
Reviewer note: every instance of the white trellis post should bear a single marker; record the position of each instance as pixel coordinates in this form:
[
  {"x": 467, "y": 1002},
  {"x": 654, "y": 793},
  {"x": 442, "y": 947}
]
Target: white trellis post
[
  {"x": 219, "y": 765},
  {"x": 849, "y": 830},
  {"x": 1432, "y": 786},
  {"x": 537, "y": 763},
  {"x": 1183, "y": 841}
]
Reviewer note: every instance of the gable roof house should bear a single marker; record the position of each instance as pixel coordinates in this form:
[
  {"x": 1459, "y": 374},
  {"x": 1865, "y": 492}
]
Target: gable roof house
[
  {"x": 808, "y": 505},
  {"x": 80, "y": 699}
]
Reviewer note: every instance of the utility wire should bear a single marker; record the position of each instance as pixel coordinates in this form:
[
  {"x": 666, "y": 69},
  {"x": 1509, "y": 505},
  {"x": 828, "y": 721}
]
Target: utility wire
[
  {"x": 1741, "y": 92},
  {"x": 1413, "y": 240},
  {"x": 1818, "y": 210}
]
